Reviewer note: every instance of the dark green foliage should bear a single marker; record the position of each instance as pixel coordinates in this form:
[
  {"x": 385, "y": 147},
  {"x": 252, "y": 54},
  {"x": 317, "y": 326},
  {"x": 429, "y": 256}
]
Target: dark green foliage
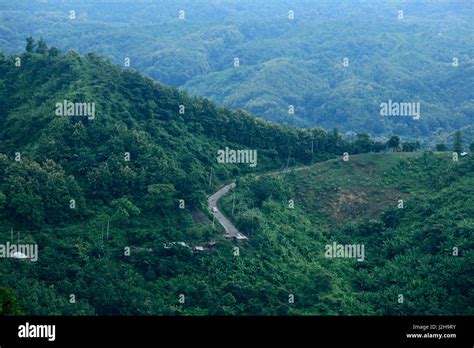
[
  {"x": 363, "y": 144},
  {"x": 457, "y": 144},
  {"x": 30, "y": 44},
  {"x": 393, "y": 143},
  {"x": 8, "y": 302},
  {"x": 411, "y": 146},
  {"x": 42, "y": 47},
  {"x": 40, "y": 194},
  {"x": 134, "y": 204},
  {"x": 409, "y": 250},
  {"x": 137, "y": 145},
  {"x": 85, "y": 189}
]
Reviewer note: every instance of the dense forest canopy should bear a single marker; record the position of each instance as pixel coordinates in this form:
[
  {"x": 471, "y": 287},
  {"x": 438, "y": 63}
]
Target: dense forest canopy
[
  {"x": 125, "y": 245},
  {"x": 114, "y": 115},
  {"x": 423, "y": 56},
  {"x": 137, "y": 137}
]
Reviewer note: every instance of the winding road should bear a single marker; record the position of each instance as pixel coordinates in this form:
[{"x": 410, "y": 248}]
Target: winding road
[{"x": 230, "y": 230}]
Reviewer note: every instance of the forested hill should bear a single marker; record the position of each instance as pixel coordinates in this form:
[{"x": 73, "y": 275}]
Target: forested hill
[
  {"x": 106, "y": 191},
  {"x": 140, "y": 137},
  {"x": 127, "y": 168}
]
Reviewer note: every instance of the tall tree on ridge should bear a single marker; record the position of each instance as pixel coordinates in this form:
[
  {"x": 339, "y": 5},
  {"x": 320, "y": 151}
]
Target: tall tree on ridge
[{"x": 457, "y": 144}]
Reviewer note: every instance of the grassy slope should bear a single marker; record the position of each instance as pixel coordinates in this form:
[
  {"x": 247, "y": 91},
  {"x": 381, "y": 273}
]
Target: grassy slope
[{"x": 338, "y": 191}]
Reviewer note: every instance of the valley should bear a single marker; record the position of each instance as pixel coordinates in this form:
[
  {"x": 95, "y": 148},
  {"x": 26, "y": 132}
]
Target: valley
[{"x": 327, "y": 65}]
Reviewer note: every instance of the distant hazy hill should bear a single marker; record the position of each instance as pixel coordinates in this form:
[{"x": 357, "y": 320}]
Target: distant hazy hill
[{"x": 283, "y": 61}]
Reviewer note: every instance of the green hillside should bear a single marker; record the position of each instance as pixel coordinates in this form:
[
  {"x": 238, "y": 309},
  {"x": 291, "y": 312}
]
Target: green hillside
[
  {"x": 358, "y": 190},
  {"x": 102, "y": 196},
  {"x": 408, "y": 249},
  {"x": 129, "y": 173}
]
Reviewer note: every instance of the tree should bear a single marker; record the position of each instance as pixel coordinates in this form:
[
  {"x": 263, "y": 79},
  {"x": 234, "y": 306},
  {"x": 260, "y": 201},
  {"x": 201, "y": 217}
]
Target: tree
[
  {"x": 2, "y": 199},
  {"x": 269, "y": 187},
  {"x": 457, "y": 144},
  {"x": 42, "y": 48},
  {"x": 378, "y": 146},
  {"x": 124, "y": 209},
  {"x": 363, "y": 143},
  {"x": 42, "y": 193},
  {"x": 54, "y": 52},
  {"x": 441, "y": 147},
  {"x": 471, "y": 147},
  {"x": 394, "y": 143},
  {"x": 8, "y": 302},
  {"x": 30, "y": 44},
  {"x": 410, "y": 146},
  {"x": 336, "y": 137},
  {"x": 160, "y": 197}
]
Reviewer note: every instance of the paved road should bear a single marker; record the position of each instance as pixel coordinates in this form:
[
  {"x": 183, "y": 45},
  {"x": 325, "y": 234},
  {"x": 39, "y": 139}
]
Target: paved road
[{"x": 230, "y": 230}]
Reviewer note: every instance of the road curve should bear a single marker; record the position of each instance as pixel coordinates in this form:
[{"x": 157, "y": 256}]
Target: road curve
[
  {"x": 230, "y": 230},
  {"x": 212, "y": 200}
]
